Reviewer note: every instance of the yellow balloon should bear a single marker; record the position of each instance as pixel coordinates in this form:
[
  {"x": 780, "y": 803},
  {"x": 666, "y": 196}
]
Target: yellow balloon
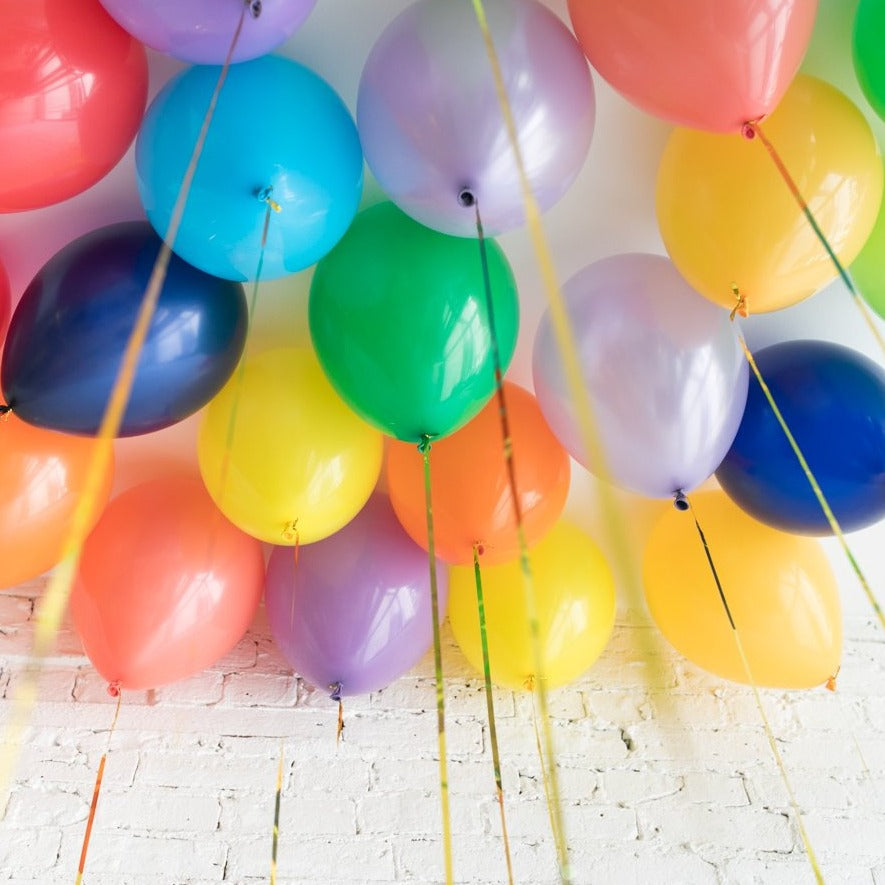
[
  {"x": 779, "y": 588},
  {"x": 300, "y": 464},
  {"x": 728, "y": 218},
  {"x": 575, "y": 595}
]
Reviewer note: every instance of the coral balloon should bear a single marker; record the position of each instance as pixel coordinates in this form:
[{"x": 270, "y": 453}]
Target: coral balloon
[
  {"x": 73, "y": 87},
  {"x": 868, "y": 269},
  {"x": 354, "y": 613},
  {"x": 575, "y": 595},
  {"x": 779, "y": 588},
  {"x": 712, "y": 66},
  {"x": 431, "y": 125},
  {"x": 728, "y": 219},
  {"x": 201, "y": 31},
  {"x": 470, "y": 487},
  {"x": 42, "y": 474},
  {"x": 282, "y": 456},
  {"x": 866, "y": 45},
  {"x": 166, "y": 585}
]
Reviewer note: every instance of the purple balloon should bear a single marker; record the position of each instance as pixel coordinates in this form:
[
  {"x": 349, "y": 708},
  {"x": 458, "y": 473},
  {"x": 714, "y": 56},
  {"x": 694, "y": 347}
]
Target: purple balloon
[
  {"x": 663, "y": 369},
  {"x": 431, "y": 126},
  {"x": 201, "y": 31},
  {"x": 355, "y": 611}
]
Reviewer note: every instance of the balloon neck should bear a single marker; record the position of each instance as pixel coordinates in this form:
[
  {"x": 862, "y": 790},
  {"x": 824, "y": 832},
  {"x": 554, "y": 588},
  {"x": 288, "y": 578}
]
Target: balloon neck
[
  {"x": 290, "y": 532},
  {"x": 265, "y": 196},
  {"x": 4, "y": 409},
  {"x": 740, "y": 308},
  {"x": 424, "y": 443},
  {"x": 680, "y": 501},
  {"x": 254, "y": 7},
  {"x": 466, "y": 198},
  {"x": 335, "y": 689},
  {"x": 480, "y": 549},
  {"x": 748, "y": 130},
  {"x": 114, "y": 689},
  {"x": 529, "y": 683}
]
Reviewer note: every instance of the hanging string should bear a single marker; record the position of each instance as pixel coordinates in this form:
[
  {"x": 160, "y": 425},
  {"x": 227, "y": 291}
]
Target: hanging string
[
  {"x": 548, "y": 758},
  {"x": 530, "y": 686},
  {"x": 490, "y": 708},
  {"x": 114, "y": 691},
  {"x": 835, "y": 528},
  {"x": 424, "y": 449},
  {"x": 754, "y": 130},
  {"x": 745, "y": 663},
  {"x": 276, "y": 817},
  {"x": 55, "y": 598}
]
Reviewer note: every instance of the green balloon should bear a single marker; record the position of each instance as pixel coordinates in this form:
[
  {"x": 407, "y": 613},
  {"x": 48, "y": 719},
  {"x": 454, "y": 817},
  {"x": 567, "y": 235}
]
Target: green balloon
[
  {"x": 868, "y": 52},
  {"x": 868, "y": 269},
  {"x": 398, "y": 318}
]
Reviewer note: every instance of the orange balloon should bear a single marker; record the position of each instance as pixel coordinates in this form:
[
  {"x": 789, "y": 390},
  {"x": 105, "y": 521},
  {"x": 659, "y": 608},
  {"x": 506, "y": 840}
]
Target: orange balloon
[
  {"x": 470, "y": 490},
  {"x": 42, "y": 473},
  {"x": 167, "y": 585}
]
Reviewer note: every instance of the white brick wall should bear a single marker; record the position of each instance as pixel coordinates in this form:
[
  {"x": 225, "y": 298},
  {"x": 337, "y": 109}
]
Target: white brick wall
[{"x": 666, "y": 774}]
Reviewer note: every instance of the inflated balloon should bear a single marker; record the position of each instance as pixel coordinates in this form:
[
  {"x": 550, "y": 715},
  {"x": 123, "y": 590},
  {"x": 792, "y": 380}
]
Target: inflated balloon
[
  {"x": 431, "y": 125},
  {"x": 662, "y": 368},
  {"x": 73, "y": 87},
  {"x": 166, "y": 585},
  {"x": 869, "y": 63},
  {"x": 575, "y": 595},
  {"x": 868, "y": 269},
  {"x": 282, "y": 456},
  {"x": 70, "y": 330},
  {"x": 354, "y": 613},
  {"x": 728, "y": 219},
  {"x": 5, "y": 303},
  {"x": 398, "y": 318},
  {"x": 201, "y": 31},
  {"x": 279, "y": 133},
  {"x": 42, "y": 474},
  {"x": 470, "y": 486},
  {"x": 779, "y": 588},
  {"x": 833, "y": 400},
  {"x": 708, "y": 66}
]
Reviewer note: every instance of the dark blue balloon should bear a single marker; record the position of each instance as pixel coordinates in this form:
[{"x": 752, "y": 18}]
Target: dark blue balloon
[
  {"x": 69, "y": 331},
  {"x": 833, "y": 400}
]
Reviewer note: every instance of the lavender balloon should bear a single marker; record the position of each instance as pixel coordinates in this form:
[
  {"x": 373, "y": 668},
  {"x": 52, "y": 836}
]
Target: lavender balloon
[
  {"x": 663, "y": 370},
  {"x": 354, "y": 614},
  {"x": 431, "y": 126},
  {"x": 201, "y": 31}
]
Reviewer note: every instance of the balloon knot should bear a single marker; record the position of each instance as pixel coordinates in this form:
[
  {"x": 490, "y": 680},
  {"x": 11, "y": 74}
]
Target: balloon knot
[
  {"x": 529, "y": 683},
  {"x": 290, "y": 531},
  {"x": 335, "y": 689},
  {"x": 466, "y": 198},
  {"x": 740, "y": 308},
  {"x": 264, "y": 195},
  {"x": 5, "y": 410},
  {"x": 424, "y": 444},
  {"x": 831, "y": 682},
  {"x": 114, "y": 689},
  {"x": 254, "y": 7},
  {"x": 680, "y": 501},
  {"x": 748, "y": 130},
  {"x": 480, "y": 549}
]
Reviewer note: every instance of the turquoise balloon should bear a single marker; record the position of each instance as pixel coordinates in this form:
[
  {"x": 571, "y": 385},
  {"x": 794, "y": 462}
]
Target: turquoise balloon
[
  {"x": 398, "y": 316},
  {"x": 278, "y": 131}
]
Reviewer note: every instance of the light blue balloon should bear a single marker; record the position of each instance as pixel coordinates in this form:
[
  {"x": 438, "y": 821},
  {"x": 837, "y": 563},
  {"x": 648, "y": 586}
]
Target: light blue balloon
[{"x": 278, "y": 130}]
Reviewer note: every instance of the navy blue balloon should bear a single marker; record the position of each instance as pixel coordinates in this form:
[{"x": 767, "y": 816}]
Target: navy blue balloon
[
  {"x": 833, "y": 400},
  {"x": 67, "y": 336}
]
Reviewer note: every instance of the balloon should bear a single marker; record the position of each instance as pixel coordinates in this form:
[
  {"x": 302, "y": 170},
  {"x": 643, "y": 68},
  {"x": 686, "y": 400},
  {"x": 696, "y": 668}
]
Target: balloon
[
  {"x": 71, "y": 327},
  {"x": 779, "y": 588},
  {"x": 712, "y": 66},
  {"x": 470, "y": 488},
  {"x": 727, "y": 217},
  {"x": 662, "y": 368},
  {"x": 398, "y": 318},
  {"x": 42, "y": 474},
  {"x": 575, "y": 595},
  {"x": 833, "y": 400},
  {"x": 5, "y": 303},
  {"x": 868, "y": 269},
  {"x": 201, "y": 31},
  {"x": 866, "y": 48},
  {"x": 431, "y": 125},
  {"x": 73, "y": 87},
  {"x": 281, "y": 455},
  {"x": 354, "y": 613},
  {"x": 166, "y": 585},
  {"x": 278, "y": 131}
]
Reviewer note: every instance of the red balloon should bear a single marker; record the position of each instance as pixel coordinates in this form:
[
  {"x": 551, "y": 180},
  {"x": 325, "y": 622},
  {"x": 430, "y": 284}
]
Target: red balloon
[
  {"x": 5, "y": 304},
  {"x": 73, "y": 87},
  {"x": 166, "y": 585}
]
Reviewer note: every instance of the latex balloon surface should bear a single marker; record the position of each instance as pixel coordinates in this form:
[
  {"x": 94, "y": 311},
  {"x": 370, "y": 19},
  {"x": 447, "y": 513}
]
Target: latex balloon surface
[
  {"x": 398, "y": 318},
  {"x": 5, "y": 303},
  {"x": 354, "y": 613},
  {"x": 42, "y": 474},
  {"x": 470, "y": 486},
  {"x": 166, "y": 585},
  {"x": 575, "y": 597},
  {"x": 869, "y": 62},
  {"x": 729, "y": 220},
  {"x": 833, "y": 400},
  {"x": 282, "y": 456},
  {"x": 712, "y": 66},
  {"x": 278, "y": 131},
  {"x": 201, "y": 31},
  {"x": 868, "y": 269},
  {"x": 431, "y": 125},
  {"x": 779, "y": 588},
  {"x": 663, "y": 370},
  {"x": 73, "y": 87},
  {"x": 70, "y": 330}
]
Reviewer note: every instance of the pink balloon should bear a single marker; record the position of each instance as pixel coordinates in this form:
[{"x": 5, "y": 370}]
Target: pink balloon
[{"x": 705, "y": 64}]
